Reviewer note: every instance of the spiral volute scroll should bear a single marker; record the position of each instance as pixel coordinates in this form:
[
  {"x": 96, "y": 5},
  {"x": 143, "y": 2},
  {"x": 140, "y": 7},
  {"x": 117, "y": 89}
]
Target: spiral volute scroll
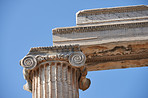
[
  {"x": 28, "y": 62},
  {"x": 77, "y": 59}
]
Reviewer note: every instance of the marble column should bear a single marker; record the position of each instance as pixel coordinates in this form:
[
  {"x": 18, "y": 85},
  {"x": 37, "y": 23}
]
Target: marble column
[{"x": 55, "y": 80}]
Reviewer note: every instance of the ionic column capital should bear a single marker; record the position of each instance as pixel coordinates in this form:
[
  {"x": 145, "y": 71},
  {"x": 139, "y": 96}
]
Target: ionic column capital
[{"x": 71, "y": 55}]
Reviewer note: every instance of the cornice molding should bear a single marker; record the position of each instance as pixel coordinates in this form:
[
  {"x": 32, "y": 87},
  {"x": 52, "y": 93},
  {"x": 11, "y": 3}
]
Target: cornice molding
[
  {"x": 114, "y": 20},
  {"x": 92, "y": 28},
  {"x": 112, "y": 10}
]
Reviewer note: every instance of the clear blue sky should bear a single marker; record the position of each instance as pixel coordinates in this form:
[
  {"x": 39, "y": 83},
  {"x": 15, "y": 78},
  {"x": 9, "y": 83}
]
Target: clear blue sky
[{"x": 29, "y": 23}]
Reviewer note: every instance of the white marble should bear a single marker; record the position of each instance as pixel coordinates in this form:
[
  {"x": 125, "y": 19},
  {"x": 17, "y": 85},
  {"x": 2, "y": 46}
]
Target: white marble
[
  {"x": 98, "y": 37},
  {"x": 112, "y": 17}
]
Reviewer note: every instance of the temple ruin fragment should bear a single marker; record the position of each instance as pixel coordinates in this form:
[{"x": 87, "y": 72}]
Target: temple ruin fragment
[{"x": 103, "y": 39}]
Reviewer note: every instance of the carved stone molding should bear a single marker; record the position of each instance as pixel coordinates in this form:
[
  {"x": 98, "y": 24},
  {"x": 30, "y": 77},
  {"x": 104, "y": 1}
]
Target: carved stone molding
[{"x": 92, "y": 28}]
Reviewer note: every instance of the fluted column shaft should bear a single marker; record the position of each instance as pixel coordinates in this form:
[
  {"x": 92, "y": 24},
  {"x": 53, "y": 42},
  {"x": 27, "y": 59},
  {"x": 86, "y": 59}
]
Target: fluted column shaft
[{"x": 55, "y": 80}]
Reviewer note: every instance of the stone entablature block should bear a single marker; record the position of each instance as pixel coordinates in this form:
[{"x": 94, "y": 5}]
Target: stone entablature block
[
  {"x": 98, "y": 26},
  {"x": 112, "y": 15},
  {"x": 98, "y": 34}
]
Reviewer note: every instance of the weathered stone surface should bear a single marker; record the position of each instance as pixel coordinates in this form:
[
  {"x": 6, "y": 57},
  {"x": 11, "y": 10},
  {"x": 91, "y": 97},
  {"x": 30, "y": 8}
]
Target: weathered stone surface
[
  {"x": 99, "y": 34},
  {"x": 116, "y": 55},
  {"x": 112, "y": 15}
]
